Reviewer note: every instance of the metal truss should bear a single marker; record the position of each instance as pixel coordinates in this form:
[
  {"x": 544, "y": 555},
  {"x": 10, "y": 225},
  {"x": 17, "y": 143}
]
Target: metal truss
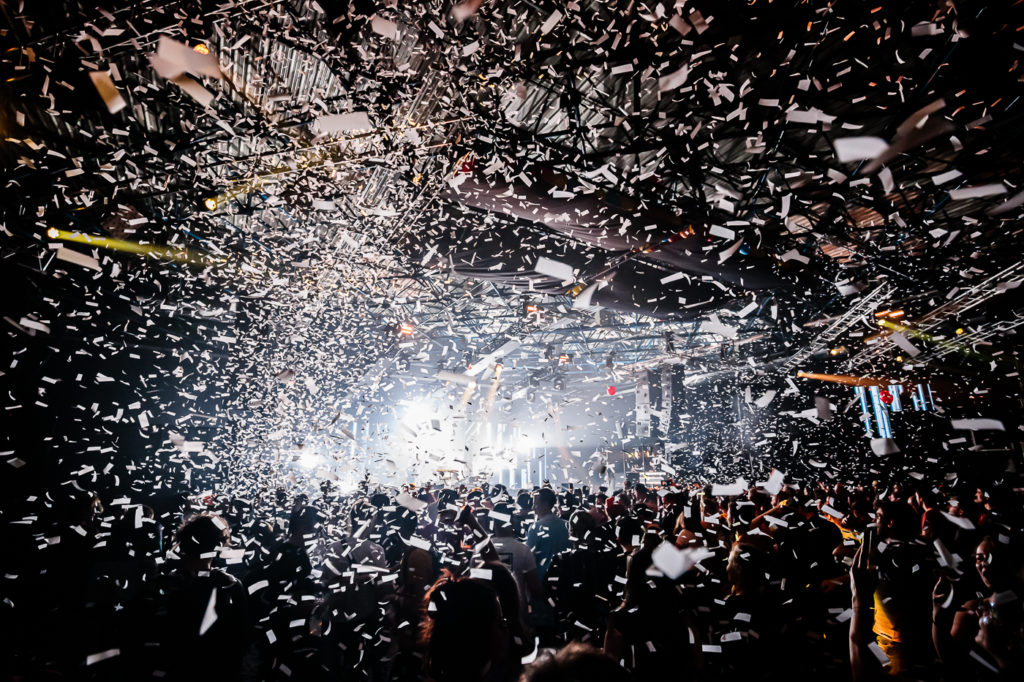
[
  {"x": 965, "y": 300},
  {"x": 825, "y": 339}
]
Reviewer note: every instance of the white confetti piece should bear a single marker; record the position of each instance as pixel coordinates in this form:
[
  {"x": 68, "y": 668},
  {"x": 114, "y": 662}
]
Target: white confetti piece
[
  {"x": 210, "y": 614},
  {"x": 93, "y": 659},
  {"x": 108, "y": 91},
  {"x": 978, "y": 425},
  {"x": 859, "y": 148},
  {"x": 552, "y": 21}
]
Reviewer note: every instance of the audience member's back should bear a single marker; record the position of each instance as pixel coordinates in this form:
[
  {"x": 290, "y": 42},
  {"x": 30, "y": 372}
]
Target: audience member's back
[
  {"x": 201, "y": 625},
  {"x": 465, "y": 634},
  {"x": 581, "y": 581}
]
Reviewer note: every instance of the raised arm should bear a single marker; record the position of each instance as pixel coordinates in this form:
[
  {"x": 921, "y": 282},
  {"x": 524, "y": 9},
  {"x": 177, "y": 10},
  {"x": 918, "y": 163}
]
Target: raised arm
[
  {"x": 863, "y": 664},
  {"x": 481, "y": 540}
]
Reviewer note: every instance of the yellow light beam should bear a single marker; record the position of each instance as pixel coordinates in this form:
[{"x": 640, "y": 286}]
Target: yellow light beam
[
  {"x": 958, "y": 346},
  {"x": 904, "y": 329},
  {"x": 174, "y": 253}
]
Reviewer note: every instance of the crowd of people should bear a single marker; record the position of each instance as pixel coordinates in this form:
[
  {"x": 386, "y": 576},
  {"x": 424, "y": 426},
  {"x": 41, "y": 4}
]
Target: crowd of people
[{"x": 916, "y": 581}]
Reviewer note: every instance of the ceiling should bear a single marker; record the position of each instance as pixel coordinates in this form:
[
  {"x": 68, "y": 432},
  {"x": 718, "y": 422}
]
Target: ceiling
[{"x": 631, "y": 185}]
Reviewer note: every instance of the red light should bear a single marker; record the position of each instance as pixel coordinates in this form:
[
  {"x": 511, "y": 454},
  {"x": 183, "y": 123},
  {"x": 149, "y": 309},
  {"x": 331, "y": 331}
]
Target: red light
[{"x": 611, "y": 390}]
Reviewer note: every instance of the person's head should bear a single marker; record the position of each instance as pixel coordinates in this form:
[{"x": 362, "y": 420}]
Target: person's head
[
  {"x": 581, "y": 527},
  {"x": 687, "y": 538},
  {"x": 926, "y": 498},
  {"x": 447, "y": 498},
  {"x": 708, "y": 504},
  {"x": 956, "y": 507},
  {"x": 504, "y": 522},
  {"x": 544, "y": 502},
  {"x": 403, "y": 521},
  {"x": 781, "y": 496},
  {"x": 613, "y": 508},
  {"x": 576, "y": 662},
  {"x": 464, "y": 632},
  {"x": 199, "y": 536},
  {"x": 743, "y": 516},
  {"x": 599, "y": 514},
  {"x": 77, "y": 506},
  {"x": 992, "y": 562},
  {"x": 361, "y": 512},
  {"x": 629, "y": 532},
  {"x": 746, "y": 569},
  {"x": 303, "y": 523},
  {"x": 643, "y": 512},
  {"x": 896, "y": 521}
]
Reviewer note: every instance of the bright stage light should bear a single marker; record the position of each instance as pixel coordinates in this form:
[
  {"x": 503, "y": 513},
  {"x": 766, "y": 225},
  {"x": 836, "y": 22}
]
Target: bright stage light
[
  {"x": 418, "y": 413},
  {"x": 526, "y": 442},
  {"x": 308, "y": 459}
]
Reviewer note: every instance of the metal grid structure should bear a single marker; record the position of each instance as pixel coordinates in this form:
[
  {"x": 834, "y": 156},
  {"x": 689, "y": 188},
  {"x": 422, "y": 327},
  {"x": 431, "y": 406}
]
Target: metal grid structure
[{"x": 316, "y": 228}]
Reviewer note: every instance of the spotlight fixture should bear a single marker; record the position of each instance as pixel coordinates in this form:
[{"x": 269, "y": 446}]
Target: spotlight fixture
[
  {"x": 53, "y": 233},
  {"x": 959, "y": 331},
  {"x": 889, "y": 314},
  {"x": 201, "y": 48},
  {"x": 210, "y": 203}
]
